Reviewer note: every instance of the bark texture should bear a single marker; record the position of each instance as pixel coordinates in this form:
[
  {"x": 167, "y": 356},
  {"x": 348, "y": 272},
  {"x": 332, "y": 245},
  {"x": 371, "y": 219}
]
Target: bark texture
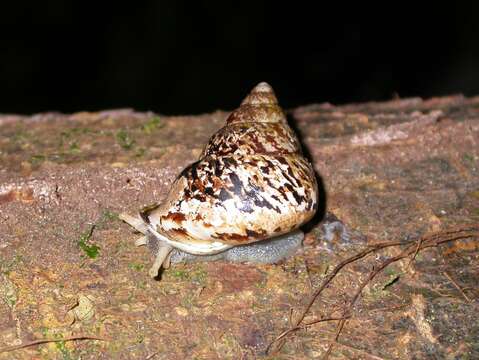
[{"x": 390, "y": 171}]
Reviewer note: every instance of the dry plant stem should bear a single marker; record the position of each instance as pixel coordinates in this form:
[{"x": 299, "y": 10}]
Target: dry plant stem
[
  {"x": 457, "y": 286},
  {"x": 45, "y": 341},
  {"x": 426, "y": 242},
  {"x": 414, "y": 246},
  {"x": 310, "y": 281},
  {"x": 149, "y": 357},
  {"x": 419, "y": 242},
  {"x": 287, "y": 332},
  {"x": 348, "y": 310},
  {"x": 279, "y": 341}
]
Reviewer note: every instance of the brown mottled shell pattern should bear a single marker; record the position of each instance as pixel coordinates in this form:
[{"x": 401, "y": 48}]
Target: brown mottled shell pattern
[{"x": 250, "y": 183}]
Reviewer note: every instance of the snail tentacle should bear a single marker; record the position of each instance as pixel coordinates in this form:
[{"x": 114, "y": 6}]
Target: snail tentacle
[
  {"x": 141, "y": 241},
  {"x": 137, "y": 223},
  {"x": 162, "y": 254}
]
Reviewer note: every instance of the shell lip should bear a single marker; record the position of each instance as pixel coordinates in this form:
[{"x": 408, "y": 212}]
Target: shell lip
[{"x": 196, "y": 248}]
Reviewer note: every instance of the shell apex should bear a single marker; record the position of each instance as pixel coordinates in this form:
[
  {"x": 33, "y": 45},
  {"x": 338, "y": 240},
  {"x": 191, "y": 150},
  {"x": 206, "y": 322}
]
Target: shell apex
[
  {"x": 261, "y": 94},
  {"x": 259, "y": 106}
]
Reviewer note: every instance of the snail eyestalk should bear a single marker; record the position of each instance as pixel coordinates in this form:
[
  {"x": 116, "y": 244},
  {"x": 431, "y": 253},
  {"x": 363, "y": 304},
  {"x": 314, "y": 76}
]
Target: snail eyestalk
[{"x": 135, "y": 222}]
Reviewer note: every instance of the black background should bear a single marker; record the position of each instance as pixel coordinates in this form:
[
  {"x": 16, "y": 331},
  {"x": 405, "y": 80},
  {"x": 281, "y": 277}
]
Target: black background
[{"x": 181, "y": 57}]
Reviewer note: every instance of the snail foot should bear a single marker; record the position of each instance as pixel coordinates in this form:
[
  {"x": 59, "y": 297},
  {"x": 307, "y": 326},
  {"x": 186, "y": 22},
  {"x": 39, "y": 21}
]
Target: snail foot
[{"x": 267, "y": 251}]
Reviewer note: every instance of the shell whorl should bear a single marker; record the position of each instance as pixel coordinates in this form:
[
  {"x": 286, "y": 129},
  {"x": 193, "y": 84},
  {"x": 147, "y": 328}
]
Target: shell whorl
[
  {"x": 260, "y": 105},
  {"x": 250, "y": 183},
  {"x": 258, "y": 126}
]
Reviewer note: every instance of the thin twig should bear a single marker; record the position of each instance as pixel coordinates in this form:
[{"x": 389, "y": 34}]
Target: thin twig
[
  {"x": 278, "y": 342},
  {"x": 413, "y": 247},
  {"x": 149, "y": 357},
  {"x": 310, "y": 281},
  {"x": 289, "y": 331},
  {"x": 415, "y": 253},
  {"x": 348, "y": 310},
  {"x": 426, "y": 242},
  {"x": 45, "y": 341},
  {"x": 457, "y": 286}
]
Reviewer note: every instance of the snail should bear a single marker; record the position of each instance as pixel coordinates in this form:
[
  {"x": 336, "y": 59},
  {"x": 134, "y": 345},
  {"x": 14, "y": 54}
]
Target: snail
[{"x": 243, "y": 200}]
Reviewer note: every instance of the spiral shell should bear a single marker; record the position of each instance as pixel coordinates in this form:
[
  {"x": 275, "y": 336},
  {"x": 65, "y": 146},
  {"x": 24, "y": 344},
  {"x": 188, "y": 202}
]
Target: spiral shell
[{"x": 250, "y": 183}]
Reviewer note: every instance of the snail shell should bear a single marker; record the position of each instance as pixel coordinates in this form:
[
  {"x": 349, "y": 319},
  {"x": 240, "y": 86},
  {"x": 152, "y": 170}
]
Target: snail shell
[{"x": 251, "y": 183}]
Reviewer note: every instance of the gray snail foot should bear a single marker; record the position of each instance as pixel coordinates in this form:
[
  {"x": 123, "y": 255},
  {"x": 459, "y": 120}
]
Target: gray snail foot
[{"x": 268, "y": 251}]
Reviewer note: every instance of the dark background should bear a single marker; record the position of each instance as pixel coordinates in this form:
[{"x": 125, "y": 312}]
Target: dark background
[{"x": 181, "y": 57}]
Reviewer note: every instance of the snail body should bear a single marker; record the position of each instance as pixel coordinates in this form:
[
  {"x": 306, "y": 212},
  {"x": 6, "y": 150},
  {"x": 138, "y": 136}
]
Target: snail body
[{"x": 250, "y": 184}]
